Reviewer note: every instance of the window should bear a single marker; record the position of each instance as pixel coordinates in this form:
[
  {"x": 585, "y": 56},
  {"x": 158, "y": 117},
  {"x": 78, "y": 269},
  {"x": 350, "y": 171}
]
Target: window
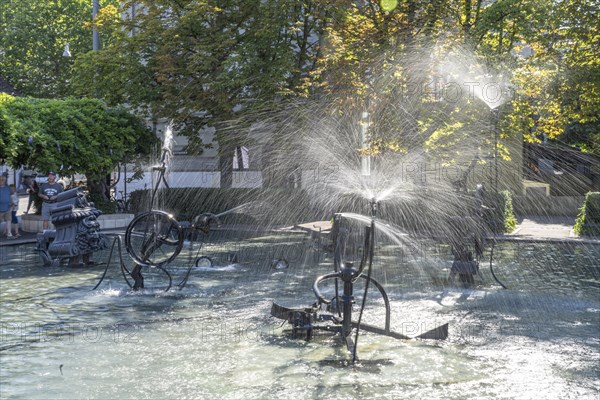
[{"x": 241, "y": 158}]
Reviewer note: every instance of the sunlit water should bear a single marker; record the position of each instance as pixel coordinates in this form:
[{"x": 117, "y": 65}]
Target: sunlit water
[{"x": 215, "y": 338}]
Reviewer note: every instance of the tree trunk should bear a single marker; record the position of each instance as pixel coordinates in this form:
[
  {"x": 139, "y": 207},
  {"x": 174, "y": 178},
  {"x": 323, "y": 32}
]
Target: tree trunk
[
  {"x": 226, "y": 169},
  {"x": 99, "y": 189}
]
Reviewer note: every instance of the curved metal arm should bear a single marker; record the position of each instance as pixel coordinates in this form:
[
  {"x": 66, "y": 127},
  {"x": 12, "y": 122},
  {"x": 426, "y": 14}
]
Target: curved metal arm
[
  {"x": 368, "y": 249},
  {"x": 386, "y": 300},
  {"x": 321, "y": 299},
  {"x": 162, "y": 168}
]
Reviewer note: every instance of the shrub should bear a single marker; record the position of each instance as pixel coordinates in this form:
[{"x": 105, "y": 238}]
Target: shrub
[
  {"x": 107, "y": 207},
  {"x": 503, "y": 217},
  {"x": 588, "y": 220},
  {"x": 242, "y": 206}
]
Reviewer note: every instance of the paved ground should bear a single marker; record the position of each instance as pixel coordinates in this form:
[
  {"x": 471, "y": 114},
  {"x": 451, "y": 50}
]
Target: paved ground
[
  {"x": 545, "y": 227},
  {"x": 25, "y": 237}
]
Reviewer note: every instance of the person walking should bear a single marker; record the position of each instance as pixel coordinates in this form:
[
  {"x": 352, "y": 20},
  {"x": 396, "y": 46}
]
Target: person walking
[
  {"x": 49, "y": 192},
  {"x": 14, "y": 201},
  {"x": 5, "y": 206}
]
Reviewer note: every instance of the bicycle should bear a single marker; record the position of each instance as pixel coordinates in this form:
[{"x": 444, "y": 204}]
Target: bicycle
[
  {"x": 121, "y": 204},
  {"x": 124, "y": 203}
]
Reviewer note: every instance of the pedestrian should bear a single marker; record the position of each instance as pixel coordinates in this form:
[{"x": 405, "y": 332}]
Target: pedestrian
[
  {"x": 465, "y": 267},
  {"x": 33, "y": 190},
  {"x": 49, "y": 192},
  {"x": 5, "y": 206},
  {"x": 14, "y": 201}
]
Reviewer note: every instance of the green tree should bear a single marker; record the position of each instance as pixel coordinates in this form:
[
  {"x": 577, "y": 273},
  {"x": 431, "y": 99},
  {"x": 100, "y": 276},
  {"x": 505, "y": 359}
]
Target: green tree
[
  {"x": 558, "y": 75},
  {"x": 33, "y": 35},
  {"x": 207, "y": 63},
  {"x": 71, "y": 136},
  {"x": 228, "y": 64},
  {"x": 376, "y": 54}
]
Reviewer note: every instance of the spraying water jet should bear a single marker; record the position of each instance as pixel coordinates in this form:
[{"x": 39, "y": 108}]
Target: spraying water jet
[{"x": 335, "y": 315}]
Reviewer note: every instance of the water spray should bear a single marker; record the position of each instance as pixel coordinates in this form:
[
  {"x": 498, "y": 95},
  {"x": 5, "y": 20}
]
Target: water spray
[
  {"x": 321, "y": 316},
  {"x": 154, "y": 239}
]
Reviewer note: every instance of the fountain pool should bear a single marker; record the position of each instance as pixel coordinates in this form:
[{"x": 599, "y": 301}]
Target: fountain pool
[{"x": 215, "y": 338}]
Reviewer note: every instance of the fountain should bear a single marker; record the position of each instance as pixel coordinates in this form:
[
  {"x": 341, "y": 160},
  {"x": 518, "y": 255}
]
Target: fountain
[
  {"x": 393, "y": 231},
  {"x": 365, "y": 174},
  {"x": 153, "y": 239},
  {"x": 307, "y": 320}
]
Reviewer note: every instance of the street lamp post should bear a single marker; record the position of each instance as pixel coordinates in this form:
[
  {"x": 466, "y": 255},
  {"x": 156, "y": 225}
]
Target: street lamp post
[
  {"x": 95, "y": 35},
  {"x": 495, "y": 112}
]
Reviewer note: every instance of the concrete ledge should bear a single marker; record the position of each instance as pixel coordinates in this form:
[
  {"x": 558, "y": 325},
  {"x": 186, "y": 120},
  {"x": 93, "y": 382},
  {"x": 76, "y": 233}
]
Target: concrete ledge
[
  {"x": 115, "y": 221},
  {"x": 33, "y": 223}
]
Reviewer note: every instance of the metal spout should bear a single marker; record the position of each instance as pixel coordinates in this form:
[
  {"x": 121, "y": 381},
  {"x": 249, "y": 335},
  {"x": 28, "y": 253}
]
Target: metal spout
[{"x": 374, "y": 205}]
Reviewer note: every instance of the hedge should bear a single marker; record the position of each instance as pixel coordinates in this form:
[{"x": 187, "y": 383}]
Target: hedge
[
  {"x": 502, "y": 219},
  {"x": 588, "y": 220},
  {"x": 243, "y": 206}
]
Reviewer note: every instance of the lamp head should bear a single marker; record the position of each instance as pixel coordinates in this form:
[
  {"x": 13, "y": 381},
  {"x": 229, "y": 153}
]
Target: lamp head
[{"x": 66, "y": 53}]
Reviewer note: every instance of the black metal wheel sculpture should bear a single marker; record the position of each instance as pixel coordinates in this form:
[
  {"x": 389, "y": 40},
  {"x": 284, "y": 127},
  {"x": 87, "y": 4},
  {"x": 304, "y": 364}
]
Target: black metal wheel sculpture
[{"x": 154, "y": 239}]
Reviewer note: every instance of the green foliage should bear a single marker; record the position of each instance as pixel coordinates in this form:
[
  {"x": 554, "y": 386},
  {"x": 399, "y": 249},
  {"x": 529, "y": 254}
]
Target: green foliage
[
  {"x": 235, "y": 62},
  {"x": 193, "y": 62},
  {"x": 33, "y": 34},
  {"x": 70, "y": 136},
  {"x": 508, "y": 215},
  {"x": 588, "y": 220},
  {"x": 560, "y": 82},
  {"x": 502, "y": 218},
  {"x": 101, "y": 204}
]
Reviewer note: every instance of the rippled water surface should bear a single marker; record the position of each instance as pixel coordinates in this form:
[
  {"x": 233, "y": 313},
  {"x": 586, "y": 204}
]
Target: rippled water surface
[{"x": 215, "y": 338}]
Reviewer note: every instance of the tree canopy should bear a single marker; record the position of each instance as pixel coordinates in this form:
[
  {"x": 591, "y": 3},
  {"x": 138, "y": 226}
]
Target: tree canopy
[
  {"x": 70, "y": 136},
  {"x": 206, "y": 63},
  {"x": 33, "y": 35}
]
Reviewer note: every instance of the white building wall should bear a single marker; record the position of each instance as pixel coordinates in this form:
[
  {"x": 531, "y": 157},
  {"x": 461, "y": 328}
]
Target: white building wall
[
  {"x": 204, "y": 179},
  {"x": 246, "y": 179}
]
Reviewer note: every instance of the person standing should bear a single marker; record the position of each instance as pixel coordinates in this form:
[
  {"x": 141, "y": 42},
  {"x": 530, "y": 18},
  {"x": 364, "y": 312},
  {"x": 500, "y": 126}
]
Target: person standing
[
  {"x": 33, "y": 190},
  {"x": 5, "y": 206},
  {"x": 49, "y": 192},
  {"x": 14, "y": 201},
  {"x": 465, "y": 267}
]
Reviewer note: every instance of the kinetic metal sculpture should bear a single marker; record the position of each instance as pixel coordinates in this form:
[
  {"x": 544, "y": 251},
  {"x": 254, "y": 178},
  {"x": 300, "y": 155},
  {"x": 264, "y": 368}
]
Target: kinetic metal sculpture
[
  {"x": 336, "y": 316},
  {"x": 77, "y": 230},
  {"x": 154, "y": 239}
]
